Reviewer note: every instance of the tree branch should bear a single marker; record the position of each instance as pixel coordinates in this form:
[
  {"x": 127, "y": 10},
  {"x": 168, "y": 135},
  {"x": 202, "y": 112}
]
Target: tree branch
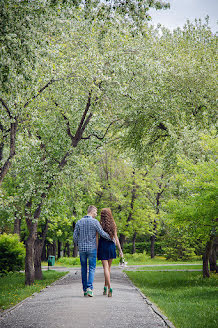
[
  {"x": 88, "y": 104},
  {"x": 100, "y": 138},
  {"x": 158, "y": 137},
  {"x": 39, "y": 92},
  {"x": 68, "y": 128},
  {"x": 6, "y": 107},
  {"x": 85, "y": 124},
  {"x": 108, "y": 142},
  {"x": 53, "y": 80},
  {"x": 162, "y": 126},
  {"x": 63, "y": 162},
  {"x": 5, "y": 168}
]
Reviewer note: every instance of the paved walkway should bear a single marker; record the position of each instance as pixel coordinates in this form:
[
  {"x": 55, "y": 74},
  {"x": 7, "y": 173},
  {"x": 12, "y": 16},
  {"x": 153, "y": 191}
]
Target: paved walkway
[{"x": 63, "y": 305}]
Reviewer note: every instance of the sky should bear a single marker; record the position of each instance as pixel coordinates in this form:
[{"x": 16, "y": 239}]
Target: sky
[{"x": 181, "y": 10}]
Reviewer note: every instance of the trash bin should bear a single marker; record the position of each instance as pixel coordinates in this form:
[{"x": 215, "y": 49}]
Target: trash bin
[{"x": 51, "y": 260}]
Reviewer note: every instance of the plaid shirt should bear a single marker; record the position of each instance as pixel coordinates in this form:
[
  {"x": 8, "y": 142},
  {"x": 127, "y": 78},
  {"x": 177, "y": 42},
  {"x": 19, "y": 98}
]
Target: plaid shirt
[{"x": 85, "y": 233}]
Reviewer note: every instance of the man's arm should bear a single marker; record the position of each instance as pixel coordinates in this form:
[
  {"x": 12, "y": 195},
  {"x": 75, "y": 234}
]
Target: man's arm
[
  {"x": 76, "y": 234},
  {"x": 101, "y": 231}
]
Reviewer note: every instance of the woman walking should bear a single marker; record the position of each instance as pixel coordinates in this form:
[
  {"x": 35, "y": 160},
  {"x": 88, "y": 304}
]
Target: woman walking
[{"x": 107, "y": 248}]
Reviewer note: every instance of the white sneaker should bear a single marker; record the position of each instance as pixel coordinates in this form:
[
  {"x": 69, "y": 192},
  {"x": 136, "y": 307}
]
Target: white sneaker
[{"x": 90, "y": 292}]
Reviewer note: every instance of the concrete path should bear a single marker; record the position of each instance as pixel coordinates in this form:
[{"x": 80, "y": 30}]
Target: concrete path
[{"x": 63, "y": 305}]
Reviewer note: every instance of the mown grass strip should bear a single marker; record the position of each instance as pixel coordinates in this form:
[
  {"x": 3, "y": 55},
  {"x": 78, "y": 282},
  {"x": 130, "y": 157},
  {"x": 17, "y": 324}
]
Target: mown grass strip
[
  {"x": 170, "y": 267},
  {"x": 13, "y": 289},
  {"x": 131, "y": 259},
  {"x": 188, "y": 300}
]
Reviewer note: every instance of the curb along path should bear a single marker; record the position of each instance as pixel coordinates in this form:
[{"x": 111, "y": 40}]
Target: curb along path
[{"x": 63, "y": 305}]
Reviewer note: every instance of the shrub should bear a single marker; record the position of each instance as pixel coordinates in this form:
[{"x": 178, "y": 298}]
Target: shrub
[
  {"x": 69, "y": 260},
  {"x": 12, "y": 253},
  {"x": 144, "y": 246},
  {"x": 179, "y": 244},
  {"x": 135, "y": 258},
  {"x": 76, "y": 261},
  {"x": 179, "y": 253}
]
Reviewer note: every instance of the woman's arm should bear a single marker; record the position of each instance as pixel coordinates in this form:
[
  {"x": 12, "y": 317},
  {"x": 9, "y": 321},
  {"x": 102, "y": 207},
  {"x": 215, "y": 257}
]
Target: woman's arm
[{"x": 118, "y": 245}]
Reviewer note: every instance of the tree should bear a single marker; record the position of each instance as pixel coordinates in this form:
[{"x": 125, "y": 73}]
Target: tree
[
  {"x": 26, "y": 30},
  {"x": 171, "y": 89},
  {"x": 58, "y": 123},
  {"x": 194, "y": 205}
]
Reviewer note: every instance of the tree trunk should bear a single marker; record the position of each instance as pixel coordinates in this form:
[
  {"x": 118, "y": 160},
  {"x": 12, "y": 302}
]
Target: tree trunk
[
  {"x": 153, "y": 246},
  {"x": 206, "y": 256},
  {"x": 154, "y": 232},
  {"x": 29, "y": 260},
  {"x": 133, "y": 243},
  {"x": 68, "y": 249},
  {"x": 59, "y": 248},
  {"x": 213, "y": 256},
  {"x": 17, "y": 224},
  {"x": 38, "y": 247},
  {"x": 37, "y": 259},
  {"x": 6, "y": 166},
  {"x": 49, "y": 249},
  {"x": 52, "y": 249},
  {"x": 75, "y": 250},
  {"x": 54, "y": 246},
  {"x": 30, "y": 243},
  {"x": 122, "y": 240},
  {"x": 44, "y": 256}
]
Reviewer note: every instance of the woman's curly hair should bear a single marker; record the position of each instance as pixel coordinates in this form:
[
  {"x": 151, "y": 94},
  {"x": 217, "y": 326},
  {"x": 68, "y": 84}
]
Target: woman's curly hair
[{"x": 107, "y": 222}]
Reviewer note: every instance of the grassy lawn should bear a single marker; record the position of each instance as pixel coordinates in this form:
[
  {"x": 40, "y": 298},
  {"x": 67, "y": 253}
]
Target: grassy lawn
[
  {"x": 13, "y": 290},
  {"x": 135, "y": 259},
  {"x": 171, "y": 267},
  {"x": 188, "y": 300}
]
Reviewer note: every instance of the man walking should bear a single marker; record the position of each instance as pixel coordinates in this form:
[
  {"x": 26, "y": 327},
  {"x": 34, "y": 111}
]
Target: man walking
[{"x": 85, "y": 236}]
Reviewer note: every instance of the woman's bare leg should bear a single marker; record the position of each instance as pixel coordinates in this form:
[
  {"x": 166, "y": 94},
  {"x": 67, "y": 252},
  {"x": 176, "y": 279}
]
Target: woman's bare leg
[
  {"x": 109, "y": 263},
  {"x": 106, "y": 273}
]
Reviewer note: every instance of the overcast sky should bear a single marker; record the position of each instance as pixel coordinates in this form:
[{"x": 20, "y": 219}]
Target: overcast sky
[{"x": 181, "y": 10}]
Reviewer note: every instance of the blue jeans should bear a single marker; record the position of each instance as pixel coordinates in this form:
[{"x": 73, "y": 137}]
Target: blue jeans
[{"x": 91, "y": 257}]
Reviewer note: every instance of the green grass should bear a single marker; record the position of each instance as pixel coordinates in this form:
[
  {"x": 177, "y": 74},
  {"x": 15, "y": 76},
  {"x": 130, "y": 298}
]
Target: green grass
[
  {"x": 13, "y": 289},
  {"x": 171, "y": 267},
  {"x": 131, "y": 259},
  {"x": 188, "y": 300}
]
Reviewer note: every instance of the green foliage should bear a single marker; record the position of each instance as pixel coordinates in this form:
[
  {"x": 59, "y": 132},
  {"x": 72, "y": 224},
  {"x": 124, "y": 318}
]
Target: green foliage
[
  {"x": 171, "y": 95},
  {"x": 75, "y": 261},
  {"x": 156, "y": 92},
  {"x": 144, "y": 246},
  {"x": 194, "y": 205},
  {"x": 181, "y": 252},
  {"x": 12, "y": 253},
  {"x": 135, "y": 258},
  {"x": 179, "y": 244},
  {"x": 69, "y": 261}
]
